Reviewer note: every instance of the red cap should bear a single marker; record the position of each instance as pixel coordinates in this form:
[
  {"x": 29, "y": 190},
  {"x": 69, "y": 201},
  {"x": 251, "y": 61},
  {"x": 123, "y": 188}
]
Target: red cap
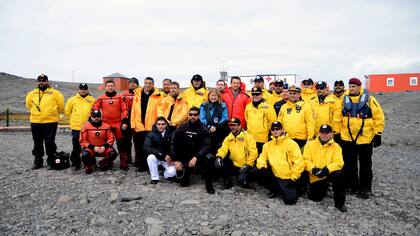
[{"x": 355, "y": 81}]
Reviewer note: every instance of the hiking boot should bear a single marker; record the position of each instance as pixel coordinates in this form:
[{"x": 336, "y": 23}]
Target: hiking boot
[
  {"x": 153, "y": 181},
  {"x": 364, "y": 194},
  {"x": 271, "y": 194},
  {"x": 210, "y": 189},
  {"x": 49, "y": 167},
  {"x": 227, "y": 184},
  {"x": 36, "y": 167},
  {"x": 342, "y": 208}
]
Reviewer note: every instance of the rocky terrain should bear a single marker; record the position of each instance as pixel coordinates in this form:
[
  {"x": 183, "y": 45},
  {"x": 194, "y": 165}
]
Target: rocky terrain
[{"x": 68, "y": 202}]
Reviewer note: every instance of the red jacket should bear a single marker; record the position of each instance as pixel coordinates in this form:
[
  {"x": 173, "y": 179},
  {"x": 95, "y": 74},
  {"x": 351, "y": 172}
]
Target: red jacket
[
  {"x": 128, "y": 99},
  {"x": 236, "y": 107},
  {"x": 114, "y": 109},
  {"x": 91, "y": 136}
]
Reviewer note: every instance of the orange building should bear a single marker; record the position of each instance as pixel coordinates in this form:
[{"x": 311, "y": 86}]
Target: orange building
[
  {"x": 393, "y": 82},
  {"x": 120, "y": 80}
]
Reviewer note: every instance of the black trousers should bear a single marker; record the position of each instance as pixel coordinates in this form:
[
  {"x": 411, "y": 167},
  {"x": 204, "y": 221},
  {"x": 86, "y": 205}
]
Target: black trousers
[
  {"x": 44, "y": 133},
  {"x": 228, "y": 171},
  {"x": 318, "y": 189},
  {"x": 285, "y": 187},
  {"x": 77, "y": 149},
  {"x": 205, "y": 163},
  {"x": 259, "y": 147},
  {"x": 127, "y": 142},
  {"x": 354, "y": 154},
  {"x": 140, "y": 159},
  {"x": 300, "y": 142}
]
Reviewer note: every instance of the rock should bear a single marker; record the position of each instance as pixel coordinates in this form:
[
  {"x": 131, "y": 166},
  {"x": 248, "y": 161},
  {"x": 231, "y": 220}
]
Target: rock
[
  {"x": 156, "y": 230},
  {"x": 180, "y": 231},
  {"x": 84, "y": 199},
  {"x": 128, "y": 197},
  {"x": 190, "y": 202},
  {"x": 98, "y": 221},
  {"x": 121, "y": 213},
  {"x": 208, "y": 231},
  {"x": 64, "y": 199},
  {"x": 236, "y": 233},
  {"x": 221, "y": 220},
  {"x": 114, "y": 197},
  {"x": 152, "y": 221}
]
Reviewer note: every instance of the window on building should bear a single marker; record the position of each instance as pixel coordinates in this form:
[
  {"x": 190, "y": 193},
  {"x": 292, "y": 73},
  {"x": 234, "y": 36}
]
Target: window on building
[
  {"x": 390, "y": 82},
  {"x": 413, "y": 81}
]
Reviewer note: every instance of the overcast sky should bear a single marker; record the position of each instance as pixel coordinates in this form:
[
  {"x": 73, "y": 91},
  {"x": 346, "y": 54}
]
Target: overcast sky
[{"x": 325, "y": 40}]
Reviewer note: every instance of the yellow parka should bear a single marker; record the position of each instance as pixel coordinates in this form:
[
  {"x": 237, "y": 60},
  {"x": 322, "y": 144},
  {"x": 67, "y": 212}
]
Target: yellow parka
[
  {"x": 297, "y": 120},
  {"x": 78, "y": 109},
  {"x": 308, "y": 94},
  {"x": 265, "y": 95},
  {"x": 322, "y": 112},
  {"x": 163, "y": 94},
  {"x": 179, "y": 112},
  {"x": 371, "y": 126},
  {"x": 151, "y": 112},
  {"x": 195, "y": 97},
  {"x": 242, "y": 149},
  {"x": 284, "y": 156},
  {"x": 45, "y": 106},
  {"x": 317, "y": 155},
  {"x": 258, "y": 120},
  {"x": 274, "y": 97}
]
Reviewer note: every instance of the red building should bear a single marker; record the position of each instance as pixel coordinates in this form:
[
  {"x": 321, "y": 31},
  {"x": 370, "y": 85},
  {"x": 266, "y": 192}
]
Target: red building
[
  {"x": 120, "y": 80},
  {"x": 393, "y": 82}
]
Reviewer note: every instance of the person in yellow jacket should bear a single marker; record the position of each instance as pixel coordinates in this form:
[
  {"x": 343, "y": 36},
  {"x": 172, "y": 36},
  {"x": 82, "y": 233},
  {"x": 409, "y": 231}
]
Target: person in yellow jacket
[
  {"x": 277, "y": 92},
  {"x": 259, "y": 83},
  {"x": 324, "y": 161},
  {"x": 173, "y": 107},
  {"x": 166, "y": 88},
  {"x": 237, "y": 155},
  {"x": 282, "y": 164},
  {"x": 143, "y": 117},
  {"x": 297, "y": 118},
  {"x": 339, "y": 90},
  {"x": 259, "y": 115},
  {"x": 78, "y": 109},
  {"x": 358, "y": 122},
  {"x": 45, "y": 104},
  {"x": 322, "y": 106},
  {"x": 308, "y": 92},
  {"x": 197, "y": 93}
]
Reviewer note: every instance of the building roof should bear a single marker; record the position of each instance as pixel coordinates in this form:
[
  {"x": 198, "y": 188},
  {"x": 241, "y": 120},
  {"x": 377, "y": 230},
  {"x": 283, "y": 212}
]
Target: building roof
[{"x": 116, "y": 75}]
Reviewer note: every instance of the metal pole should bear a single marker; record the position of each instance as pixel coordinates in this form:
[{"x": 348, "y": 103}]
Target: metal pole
[{"x": 7, "y": 117}]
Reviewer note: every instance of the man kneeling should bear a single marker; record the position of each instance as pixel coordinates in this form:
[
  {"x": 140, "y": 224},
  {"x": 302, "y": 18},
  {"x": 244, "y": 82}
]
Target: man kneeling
[
  {"x": 97, "y": 139},
  {"x": 324, "y": 161},
  {"x": 242, "y": 150},
  {"x": 157, "y": 148}
]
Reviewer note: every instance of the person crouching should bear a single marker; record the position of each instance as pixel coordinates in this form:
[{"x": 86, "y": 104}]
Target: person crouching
[{"x": 97, "y": 139}]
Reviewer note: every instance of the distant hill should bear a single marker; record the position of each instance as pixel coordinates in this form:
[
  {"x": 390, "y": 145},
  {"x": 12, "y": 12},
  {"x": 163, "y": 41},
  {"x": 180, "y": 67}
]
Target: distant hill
[{"x": 14, "y": 89}]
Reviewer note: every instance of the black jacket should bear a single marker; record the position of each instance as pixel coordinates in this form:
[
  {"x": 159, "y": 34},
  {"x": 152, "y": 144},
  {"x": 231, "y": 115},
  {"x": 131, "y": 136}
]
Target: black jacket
[
  {"x": 157, "y": 145},
  {"x": 190, "y": 140}
]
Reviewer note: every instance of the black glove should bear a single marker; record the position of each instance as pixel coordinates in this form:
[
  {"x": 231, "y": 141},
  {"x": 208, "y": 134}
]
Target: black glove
[
  {"x": 337, "y": 138},
  {"x": 315, "y": 170},
  {"x": 323, "y": 172},
  {"x": 218, "y": 163},
  {"x": 377, "y": 140},
  {"x": 245, "y": 168}
]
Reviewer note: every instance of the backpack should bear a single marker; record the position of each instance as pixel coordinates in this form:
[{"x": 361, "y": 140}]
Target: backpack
[{"x": 61, "y": 161}]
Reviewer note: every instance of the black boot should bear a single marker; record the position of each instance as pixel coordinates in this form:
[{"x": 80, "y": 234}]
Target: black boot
[
  {"x": 37, "y": 163},
  {"x": 209, "y": 188},
  {"x": 227, "y": 183}
]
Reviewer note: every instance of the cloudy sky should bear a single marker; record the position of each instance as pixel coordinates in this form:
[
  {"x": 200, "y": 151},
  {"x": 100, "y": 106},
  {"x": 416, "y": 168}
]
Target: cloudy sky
[{"x": 325, "y": 40}]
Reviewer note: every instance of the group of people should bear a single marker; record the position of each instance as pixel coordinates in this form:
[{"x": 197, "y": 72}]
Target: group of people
[{"x": 290, "y": 139}]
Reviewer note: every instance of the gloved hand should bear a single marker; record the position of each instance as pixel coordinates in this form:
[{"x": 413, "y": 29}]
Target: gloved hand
[
  {"x": 315, "y": 170},
  {"x": 323, "y": 172},
  {"x": 245, "y": 168},
  {"x": 218, "y": 163},
  {"x": 337, "y": 138},
  {"x": 377, "y": 140}
]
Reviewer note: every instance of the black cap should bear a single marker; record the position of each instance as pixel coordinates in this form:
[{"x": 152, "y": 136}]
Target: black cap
[
  {"x": 42, "y": 77},
  {"x": 321, "y": 85},
  {"x": 256, "y": 91},
  {"x": 83, "y": 86},
  {"x": 339, "y": 82},
  {"x": 258, "y": 78},
  {"x": 197, "y": 77},
  {"x": 285, "y": 86},
  {"x": 325, "y": 129},
  {"x": 235, "y": 121},
  {"x": 134, "y": 80},
  {"x": 95, "y": 113},
  {"x": 308, "y": 80},
  {"x": 279, "y": 83},
  {"x": 276, "y": 124}
]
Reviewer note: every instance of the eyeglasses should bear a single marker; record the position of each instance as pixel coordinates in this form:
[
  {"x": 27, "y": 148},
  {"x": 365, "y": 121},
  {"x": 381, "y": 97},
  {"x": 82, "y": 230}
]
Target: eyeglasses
[
  {"x": 275, "y": 129},
  {"x": 193, "y": 114}
]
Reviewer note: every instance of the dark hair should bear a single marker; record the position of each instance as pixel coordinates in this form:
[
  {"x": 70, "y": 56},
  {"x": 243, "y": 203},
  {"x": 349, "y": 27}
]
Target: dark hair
[
  {"x": 195, "y": 109},
  {"x": 149, "y": 78},
  {"x": 175, "y": 83},
  {"x": 221, "y": 80},
  {"x": 235, "y": 77},
  {"x": 170, "y": 81},
  {"x": 162, "y": 118},
  {"x": 109, "y": 82}
]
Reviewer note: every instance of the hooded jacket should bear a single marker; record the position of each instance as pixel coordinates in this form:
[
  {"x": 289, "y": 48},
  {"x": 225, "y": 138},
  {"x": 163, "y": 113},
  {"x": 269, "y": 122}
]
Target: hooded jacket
[
  {"x": 322, "y": 111},
  {"x": 195, "y": 97},
  {"x": 297, "y": 120},
  {"x": 179, "y": 113},
  {"x": 236, "y": 106},
  {"x": 151, "y": 112},
  {"x": 284, "y": 156},
  {"x": 78, "y": 109},
  {"x": 365, "y": 127},
  {"x": 45, "y": 106},
  {"x": 259, "y": 120},
  {"x": 308, "y": 94},
  {"x": 157, "y": 145},
  {"x": 318, "y": 155},
  {"x": 242, "y": 149}
]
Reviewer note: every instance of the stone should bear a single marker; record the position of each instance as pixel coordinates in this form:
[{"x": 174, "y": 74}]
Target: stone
[
  {"x": 64, "y": 199},
  {"x": 152, "y": 221},
  {"x": 114, "y": 197},
  {"x": 84, "y": 199},
  {"x": 156, "y": 230},
  {"x": 221, "y": 220},
  {"x": 128, "y": 197},
  {"x": 190, "y": 202},
  {"x": 236, "y": 233},
  {"x": 208, "y": 231},
  {"x": 98, "y": 221}
]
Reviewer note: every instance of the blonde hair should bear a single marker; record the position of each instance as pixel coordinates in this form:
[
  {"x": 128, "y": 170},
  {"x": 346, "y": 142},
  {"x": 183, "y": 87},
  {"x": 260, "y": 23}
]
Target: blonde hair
[{"x": 219, "y": 97}]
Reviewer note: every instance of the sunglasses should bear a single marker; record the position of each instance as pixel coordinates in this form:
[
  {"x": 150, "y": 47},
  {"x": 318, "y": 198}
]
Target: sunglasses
[
  {"x": 193, "y": 114},
  {"x": 307, "y": 84},
  {"x": 320, "y": 87},
  {"x": 275, "y": 129},
  {"x": 255, "y": 94},
  {"x": 42, "y": 80},
  {"x": 96, "y": 116}
]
